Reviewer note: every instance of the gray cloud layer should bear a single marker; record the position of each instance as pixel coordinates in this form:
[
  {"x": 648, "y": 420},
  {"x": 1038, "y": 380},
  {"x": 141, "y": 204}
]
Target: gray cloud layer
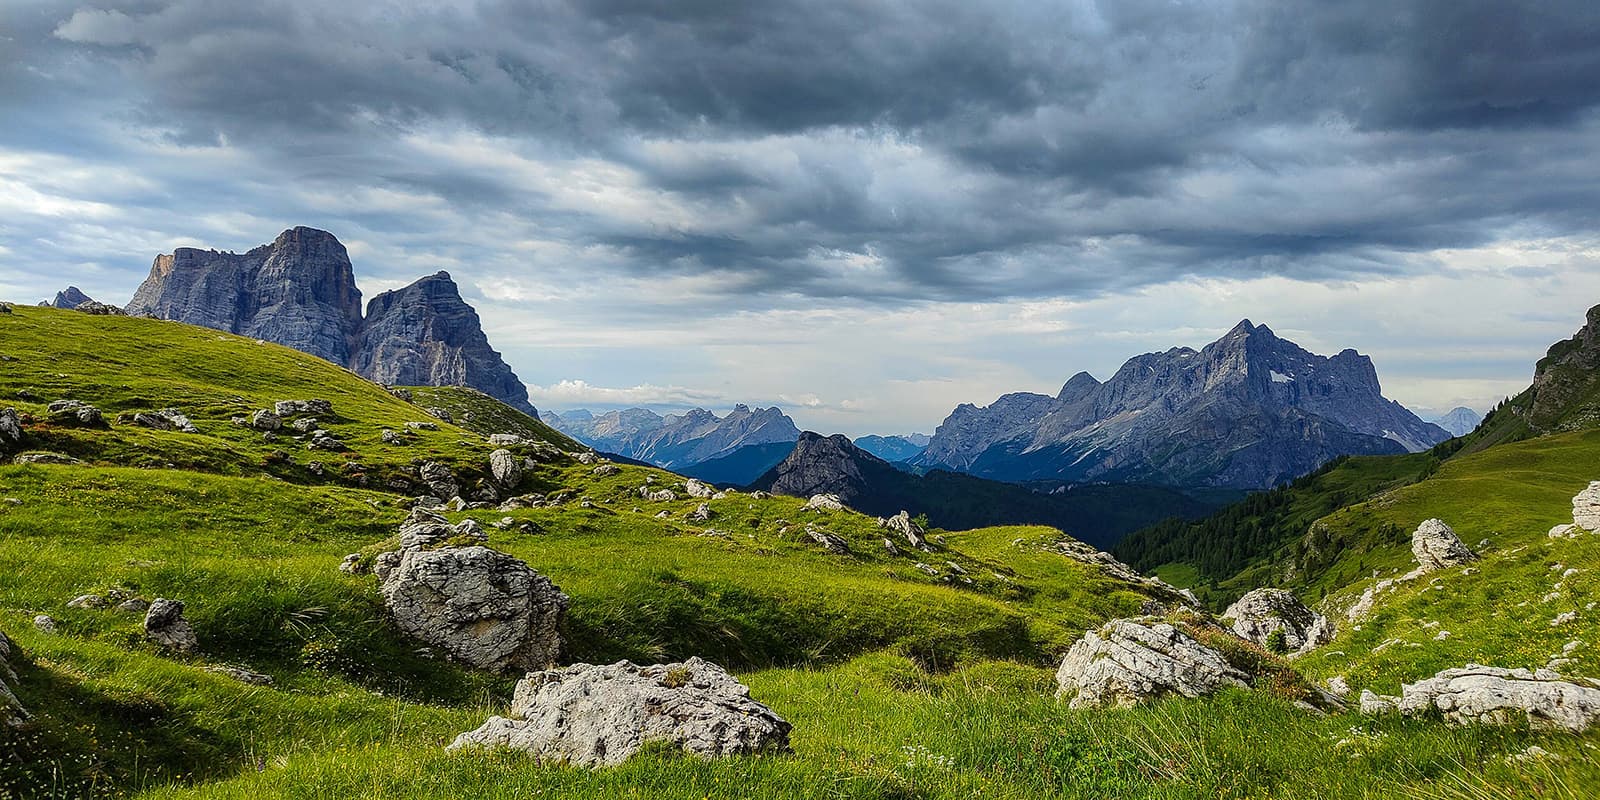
[
  {"x": 973, "y": 150},
  {"x": 779, "y": 154}
]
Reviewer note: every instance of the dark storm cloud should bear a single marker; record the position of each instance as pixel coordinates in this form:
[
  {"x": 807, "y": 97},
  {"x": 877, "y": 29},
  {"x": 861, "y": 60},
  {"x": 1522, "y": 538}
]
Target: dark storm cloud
[{"x": 879, "y": 150}]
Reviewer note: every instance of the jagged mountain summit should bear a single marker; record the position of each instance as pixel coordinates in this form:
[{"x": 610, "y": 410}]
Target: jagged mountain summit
[
  {"x": 1247, "y": 411},
  {"x": 426, "y": 335},
  {"x": 1459, "y": 421},
  {"x": 300, "y": 291},
  {"x": 71, "y": 298},
  {"x": 677, "y": 440}
]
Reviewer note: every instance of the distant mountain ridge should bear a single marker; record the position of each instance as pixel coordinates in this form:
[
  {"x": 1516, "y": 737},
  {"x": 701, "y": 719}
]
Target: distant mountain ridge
[
  {"x": 677, "y": 441},
  {"x": 70, "y": 298},
  {"x": 1247, "y": 411},
  {"x": 894, "y": 448},
  {"x": 300, "y": 291},
  {"x": 1100, "y": 515},
  {"x": 1459, "y": 421}
]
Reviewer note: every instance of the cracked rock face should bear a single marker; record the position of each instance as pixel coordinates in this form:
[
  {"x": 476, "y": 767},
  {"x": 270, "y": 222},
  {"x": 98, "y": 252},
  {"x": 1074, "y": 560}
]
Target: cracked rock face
[
  {"x": 1129, "y": 661},
  {"x": 1436, "y": 546},
  {"x": 482, "y": 607},
  {"x": 299, "y": 291},
  {"x": 1586, "y": 508},
  {"x": 1496, "y": 696},
  {"x": 10, "y": 427},
  {"x": 506, "y": 469},
  {"x": 165, "y": 625},
  {"x": 592, "y": 716},
  {"x": 1261, "y": 612}
]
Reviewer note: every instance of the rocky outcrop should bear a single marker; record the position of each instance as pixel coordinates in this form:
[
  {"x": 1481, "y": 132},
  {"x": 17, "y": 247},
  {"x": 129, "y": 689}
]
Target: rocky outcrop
[
  {"x": 1586, "y": 508},
  {"x": 1261, "y": 614},
  {"x": 75, "y": 412},
  {"x": 594, "y": 716},
  {"x": 1492, "y": 695},
  {"x": 902, "y": 524},
  {"x": 823, "y": 502},
  {"x": 1563, "y": 394},
  {"x": 11, "y": 711},
  {"x": 1159, "y": 589},
  {"x": 1247, "y": 411},
  {"x": 165, "y": 625},
  {"x": 1129, "y": 661},
  {"x": 70, "y": 298},
  {"x": 505, "y": 468},
  {"x": 426, "y": 335},
  {"x": 1436, "y": 546},
  {"x": 167, "y": 419},
  {"x": 482, "y": 607},
  {"x": 299, "y": 291},
  {"x": 10, "y": 428}
]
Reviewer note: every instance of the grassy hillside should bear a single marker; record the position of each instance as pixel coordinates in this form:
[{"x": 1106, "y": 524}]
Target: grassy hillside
[
  {"x": 900, "y": 684},
  {"x": 1224, "y": 555},
  {"x": 482, "y": 414}
]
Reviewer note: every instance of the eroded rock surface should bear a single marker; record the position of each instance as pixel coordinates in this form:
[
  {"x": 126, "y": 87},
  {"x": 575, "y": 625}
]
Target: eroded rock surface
[
  {"x": 165, "y": 625},
  {"x": 1493, "y": 695},
  {"x": 1260, "y": 613},
  {"x": 589, "y": 715},
  {"x": 11, "y": 710},
  {"x": 1436, "y": 546},
  {"x": 1586, "y": 508},
  {"x": 481, "y": 606},
  {"x": 1129, "y": 661}
]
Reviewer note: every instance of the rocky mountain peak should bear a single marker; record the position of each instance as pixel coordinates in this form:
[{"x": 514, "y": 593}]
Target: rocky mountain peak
[
  {"x": 426, "y": 334},
  {"x": 1247, "y": 410},
  {"x": 1566, "y": 382},
  {"x": 1077, "y": 386},
  {"x": 301, "y": 291},
  {"x": 823, "y": 465},
  {"x": 71, "y": 298},
  {"x": 298, "y": 291}
]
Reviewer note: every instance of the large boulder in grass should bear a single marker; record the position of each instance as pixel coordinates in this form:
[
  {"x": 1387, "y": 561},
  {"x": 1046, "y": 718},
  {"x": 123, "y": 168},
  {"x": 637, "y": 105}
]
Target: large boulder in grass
[
  {"x": 1497, "y": 696},
  {"x": 482, "y": 607},
  {"x": 506, "y": 469},
  {"x": 10, "y": 427},
  {"x": 1261, "y": 614},
  {"x": 1130, "y": 661},
  {"x": 592, "y": 716},
  {"x": 165, "y": 625},
  {"x": 1436, "y": 546},
  {"x": 1586, "y": 508}
]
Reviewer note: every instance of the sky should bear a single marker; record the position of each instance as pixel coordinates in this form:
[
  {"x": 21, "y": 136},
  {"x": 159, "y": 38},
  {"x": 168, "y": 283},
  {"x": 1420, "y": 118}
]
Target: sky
[{"x": 864, "y": 212}]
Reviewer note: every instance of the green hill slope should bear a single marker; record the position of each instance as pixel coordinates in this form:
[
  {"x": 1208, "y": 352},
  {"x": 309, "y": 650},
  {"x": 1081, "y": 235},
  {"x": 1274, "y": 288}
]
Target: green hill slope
[{"x": 900, "y": 683}]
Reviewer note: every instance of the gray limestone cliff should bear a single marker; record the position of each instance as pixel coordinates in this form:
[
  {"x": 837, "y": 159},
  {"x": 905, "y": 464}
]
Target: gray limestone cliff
[
  {"x": 299, "y": 291},
  {"x": 426, "y": 335}
]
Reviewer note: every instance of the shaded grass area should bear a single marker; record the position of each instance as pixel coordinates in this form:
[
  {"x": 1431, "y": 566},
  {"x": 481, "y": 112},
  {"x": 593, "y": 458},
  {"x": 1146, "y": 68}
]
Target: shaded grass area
[{"x": 878, "y": 727}]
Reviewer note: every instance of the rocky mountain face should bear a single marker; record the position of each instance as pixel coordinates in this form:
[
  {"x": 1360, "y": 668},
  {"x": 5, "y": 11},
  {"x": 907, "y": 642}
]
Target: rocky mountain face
[
  {"x": 894, "y": 448},
  {"x": 71, "y": 298},
  {"x": 677, "y": 440},
  {"x": 1459, "y": 421},
  {"x": 1566, "y": 383},
  {"x": 301, "y": 291},
  {"x": 426, "y": 335},
  {"x": 1247, "y": 411}
]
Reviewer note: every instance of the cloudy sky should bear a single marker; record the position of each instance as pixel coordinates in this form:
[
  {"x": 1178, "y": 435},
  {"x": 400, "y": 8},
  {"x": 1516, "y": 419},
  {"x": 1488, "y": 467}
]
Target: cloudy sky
[{"x": 866, "y": 211}]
